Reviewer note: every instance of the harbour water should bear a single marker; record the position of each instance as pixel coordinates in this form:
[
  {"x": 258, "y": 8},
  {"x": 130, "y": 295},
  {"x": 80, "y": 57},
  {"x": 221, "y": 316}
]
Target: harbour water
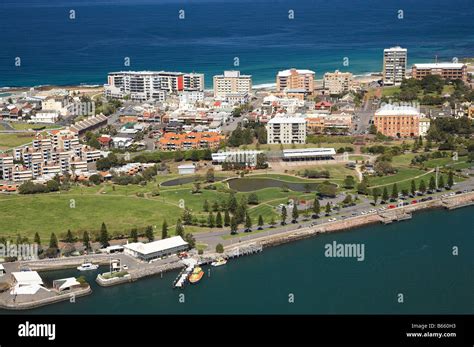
[
  {"x": 414, "y": 258},
  {"x": 263, "y": 35}
]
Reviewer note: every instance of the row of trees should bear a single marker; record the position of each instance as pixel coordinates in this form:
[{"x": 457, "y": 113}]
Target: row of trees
[{"x": 422, "y": 188}]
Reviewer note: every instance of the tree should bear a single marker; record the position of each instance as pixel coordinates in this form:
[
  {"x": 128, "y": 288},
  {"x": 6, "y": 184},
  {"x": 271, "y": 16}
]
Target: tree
[
  {"x": 37, "y": 239},
  {"x": 432, "y": 184},
  {"x": 187, "y": 217},
  {"x": 375, "y": 195},
  {"x": 164, "y": 230},
  {"x": 104, "y": 236},
  {"x": 316, "y": 207},
  {"x": 53, "y": 241},
  {"x": 219, "y": 248},
  {"x": 233, "y": 226},
  {"x": 232, "y": 203},
  {"x": 226, "y": 218},
  {"x": 179, "y": 228},
  {"x": 422, "y": 186},
  {"x": 253, "y": 199},
  {"x": 450, "y": 179},
  {"x": 328, "y": 208},
  {"x": 260, "y": 222},
  {"x": 149, "y": 233},
  {"x": 69, "y": 237},
  {"x": 283, "y": 215},
  {"x": 413, "y": 187},
  {"x": 248, "y": 222},
  {"x": 205, "y": 206},
  {"x": 349, "y": 182},
  {"x": 295, "y": 214},
  {"x": 189, "y": 238},
  {"x": 210, "y": 175},
  {"x": 134, "y": 235},
  {"x": 394, "y": 194},
  {"x": 441, "y": 181},
  {"x": 272, "y": 222},
  {"x": 384, "y": 194},
  {"x": 347, "y": 199},
  {"x": 219, "y": 220},
  {"x": 211, "y": 222},
  {"x": 215, "y": 206},
  {"x": 86, "y": 240}
]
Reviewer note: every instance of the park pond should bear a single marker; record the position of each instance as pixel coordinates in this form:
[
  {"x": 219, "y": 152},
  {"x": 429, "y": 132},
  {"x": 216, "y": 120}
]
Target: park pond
[
  {"x": 186, "y": 180},
  {"x": 252, "y": 184}
]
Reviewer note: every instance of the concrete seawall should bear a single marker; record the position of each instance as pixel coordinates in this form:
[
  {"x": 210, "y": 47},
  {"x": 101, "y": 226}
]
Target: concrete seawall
[{"x": 47, "y": 301}]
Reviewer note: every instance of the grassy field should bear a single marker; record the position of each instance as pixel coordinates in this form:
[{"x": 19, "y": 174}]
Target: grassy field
[
  {"x": 121, "y": 209},
  {"x": 10, "y": 140},
  {"x": 390, "y": 91},
  {"x": 29, "y": 126}
]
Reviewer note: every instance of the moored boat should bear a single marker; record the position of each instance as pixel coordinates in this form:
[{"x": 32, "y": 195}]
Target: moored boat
[
  {"x": 87, "y": 267},
  {"x": 219, "y": 262},
  {"x": 196, "y": 275}
]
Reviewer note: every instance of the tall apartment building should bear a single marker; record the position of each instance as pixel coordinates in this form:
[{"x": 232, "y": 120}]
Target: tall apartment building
[
  {"x": 286, "y": 130},
  {"x": 337, "y": 82},
  {"x": 398, "y": 121},
  {"x": 151, "y": 85},
  {"x": 394, "y": 65},
  {"x": 448, "y": 71},
  {"x": 293, "y": 79},
  {"x": 232, "y": 83}
]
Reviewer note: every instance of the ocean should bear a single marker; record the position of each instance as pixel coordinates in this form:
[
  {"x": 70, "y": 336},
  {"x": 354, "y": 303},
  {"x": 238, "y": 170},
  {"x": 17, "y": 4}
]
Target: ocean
[
  {"x": 413, "y": 258},
  {"x": 57, "y": 50}
]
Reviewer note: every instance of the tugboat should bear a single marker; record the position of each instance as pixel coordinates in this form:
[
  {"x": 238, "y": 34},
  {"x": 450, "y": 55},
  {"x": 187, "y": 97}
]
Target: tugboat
[
  {"x": 87, "y": 267},
  {"x": 196, "y": 275},
  {"x": 219, "y": 262}
]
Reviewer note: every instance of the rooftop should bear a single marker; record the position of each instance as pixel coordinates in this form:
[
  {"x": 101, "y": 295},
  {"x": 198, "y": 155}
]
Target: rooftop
[
  {"x": 439, "y": 66},
  {"x": 394, "y": 110},
  {"x": 286, "y": 73},
  {"x": 291, "y": 120},
  {"x": 156, "y": 246}
]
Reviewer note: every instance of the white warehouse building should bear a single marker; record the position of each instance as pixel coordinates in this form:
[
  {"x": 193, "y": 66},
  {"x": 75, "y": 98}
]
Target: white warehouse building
[{"x": 156, "y": 249}]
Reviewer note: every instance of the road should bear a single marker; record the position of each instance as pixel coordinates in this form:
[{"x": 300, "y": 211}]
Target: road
[{"x": 363, "y": 117}]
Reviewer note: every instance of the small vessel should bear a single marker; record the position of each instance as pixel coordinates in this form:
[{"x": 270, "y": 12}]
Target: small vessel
[
  {"x": 196, "y": 275},
  {"x": 87, "y": 267},
  {"x": 219, "y": 262}
]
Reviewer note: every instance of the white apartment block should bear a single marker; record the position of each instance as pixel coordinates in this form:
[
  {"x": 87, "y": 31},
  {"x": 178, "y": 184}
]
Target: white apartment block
[
  {"x": 337, "y": 82},
  {"x": 151, "y": 85},
  {"x": 394, "y": 65},
  {"x": 190, "y": 97},
  {"x": 286, "y": 130},
  {"x": 231, "y": 83}
]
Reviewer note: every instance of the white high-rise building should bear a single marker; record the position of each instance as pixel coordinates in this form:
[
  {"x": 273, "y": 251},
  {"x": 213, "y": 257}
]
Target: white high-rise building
[
  {"x": 394, "y": 65},
  {"x": 151, "y": 85},
  {"x": 232, "y": 83},
  {"x": 286, "y": 130}
]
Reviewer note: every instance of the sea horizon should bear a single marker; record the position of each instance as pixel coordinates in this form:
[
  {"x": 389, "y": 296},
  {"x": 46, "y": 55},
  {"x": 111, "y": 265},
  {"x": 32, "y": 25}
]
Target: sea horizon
[{"x": 216, "y": 34}]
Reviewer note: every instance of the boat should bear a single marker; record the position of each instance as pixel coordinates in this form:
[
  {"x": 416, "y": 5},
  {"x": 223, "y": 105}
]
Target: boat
[
  {"x": 219, "y": 262},
  {"x": 196, "y": 275},
  {"x": 87, "y": 267}
]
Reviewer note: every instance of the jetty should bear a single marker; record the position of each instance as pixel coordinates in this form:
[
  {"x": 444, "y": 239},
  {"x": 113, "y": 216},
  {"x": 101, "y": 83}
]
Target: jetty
[{"x": 183, "y": 276}]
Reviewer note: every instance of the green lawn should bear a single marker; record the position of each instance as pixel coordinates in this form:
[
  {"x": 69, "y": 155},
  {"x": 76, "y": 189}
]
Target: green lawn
[
  {"x": 9, "y": 140},
  {"x": 46, "y": 213},
  {"x": 402, "y": 174},
  {"x": 28, "y": 126},
  {"x": 390, "y": 91}
]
